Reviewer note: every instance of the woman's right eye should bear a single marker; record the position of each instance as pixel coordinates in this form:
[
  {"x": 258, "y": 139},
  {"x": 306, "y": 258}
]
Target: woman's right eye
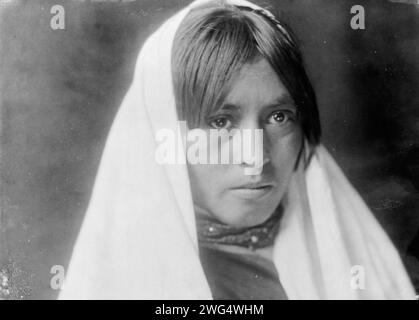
[{"x": 220, "y": 123}]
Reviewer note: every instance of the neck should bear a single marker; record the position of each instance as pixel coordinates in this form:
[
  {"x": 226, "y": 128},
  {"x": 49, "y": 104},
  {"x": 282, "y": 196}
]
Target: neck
[{"x": 212, "y": 232}]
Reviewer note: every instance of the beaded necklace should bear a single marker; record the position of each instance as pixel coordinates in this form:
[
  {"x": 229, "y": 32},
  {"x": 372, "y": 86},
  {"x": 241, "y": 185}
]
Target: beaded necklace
[{"x": 212, "y": 231}]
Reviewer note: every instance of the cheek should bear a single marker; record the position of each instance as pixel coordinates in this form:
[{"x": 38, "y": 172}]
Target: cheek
[
  {"x": 205, "y": 182},
  {"x": 284, "y": 153}
]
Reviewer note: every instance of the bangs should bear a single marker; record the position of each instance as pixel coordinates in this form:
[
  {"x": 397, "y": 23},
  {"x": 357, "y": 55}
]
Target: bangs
[
  {"x": 211, "y": 46},
  {"x": 207, "y": 53}
]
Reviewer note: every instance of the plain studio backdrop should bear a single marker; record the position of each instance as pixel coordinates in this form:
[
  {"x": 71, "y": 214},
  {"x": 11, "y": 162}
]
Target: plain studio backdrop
[{"x": 60, "y": 90}]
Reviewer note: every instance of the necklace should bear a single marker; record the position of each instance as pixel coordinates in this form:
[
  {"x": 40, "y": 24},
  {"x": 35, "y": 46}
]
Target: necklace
[{"x": 212, "y": 231}]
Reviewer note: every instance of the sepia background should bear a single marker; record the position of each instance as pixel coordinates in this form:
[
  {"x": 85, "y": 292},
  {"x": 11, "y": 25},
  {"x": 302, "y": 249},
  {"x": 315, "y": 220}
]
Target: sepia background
[{"x": 60, "y": 90}]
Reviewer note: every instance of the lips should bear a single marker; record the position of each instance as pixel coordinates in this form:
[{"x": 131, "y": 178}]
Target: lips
[
  {"x": 255, "y": 185},
  {"x": 253, "y": 190}
]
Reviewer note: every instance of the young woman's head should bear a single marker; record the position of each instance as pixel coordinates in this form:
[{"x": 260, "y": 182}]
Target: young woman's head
[{"x": 236, "y": 68}]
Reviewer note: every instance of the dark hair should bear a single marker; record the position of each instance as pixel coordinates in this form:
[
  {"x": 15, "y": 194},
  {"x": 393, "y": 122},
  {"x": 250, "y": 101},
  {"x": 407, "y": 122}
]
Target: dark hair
[{"x": 214, "y": 42}]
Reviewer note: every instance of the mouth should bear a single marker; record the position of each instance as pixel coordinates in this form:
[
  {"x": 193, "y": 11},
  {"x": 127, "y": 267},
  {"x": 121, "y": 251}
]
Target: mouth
[{"x": 253, "y": 191}]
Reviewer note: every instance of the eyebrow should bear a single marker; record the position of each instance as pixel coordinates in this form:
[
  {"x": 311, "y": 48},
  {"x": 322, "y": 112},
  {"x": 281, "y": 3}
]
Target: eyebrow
[{"x": 281, "y": 100}]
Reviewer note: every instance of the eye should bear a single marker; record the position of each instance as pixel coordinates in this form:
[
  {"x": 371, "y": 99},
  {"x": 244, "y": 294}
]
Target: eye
[
  {"x": 221, "y": 122},
  {"x": 279, "y": 117}
]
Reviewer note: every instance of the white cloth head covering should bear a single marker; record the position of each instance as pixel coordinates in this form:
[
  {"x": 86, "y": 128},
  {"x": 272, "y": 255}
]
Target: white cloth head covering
[{"x": 138, "y": 239}]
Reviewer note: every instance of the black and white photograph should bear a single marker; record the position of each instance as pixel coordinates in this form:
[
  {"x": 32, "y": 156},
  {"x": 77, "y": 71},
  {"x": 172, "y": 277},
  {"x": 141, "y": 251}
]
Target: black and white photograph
[{"x": 209, "y": 150}]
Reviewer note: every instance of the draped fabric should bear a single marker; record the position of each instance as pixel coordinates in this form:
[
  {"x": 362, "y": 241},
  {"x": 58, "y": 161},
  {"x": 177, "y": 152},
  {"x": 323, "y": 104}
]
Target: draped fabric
[{"x": 138, "y": 238}]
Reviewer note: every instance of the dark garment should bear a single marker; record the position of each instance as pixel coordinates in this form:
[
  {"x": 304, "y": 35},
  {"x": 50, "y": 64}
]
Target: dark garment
[{"x": 240, "y": 276}]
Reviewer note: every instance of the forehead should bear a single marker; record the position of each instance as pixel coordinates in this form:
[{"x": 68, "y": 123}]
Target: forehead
[{"x": 256, "y": 86}]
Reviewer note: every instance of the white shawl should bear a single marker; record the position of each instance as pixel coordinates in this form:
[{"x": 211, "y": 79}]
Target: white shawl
[{"x": 138, "y": 239}]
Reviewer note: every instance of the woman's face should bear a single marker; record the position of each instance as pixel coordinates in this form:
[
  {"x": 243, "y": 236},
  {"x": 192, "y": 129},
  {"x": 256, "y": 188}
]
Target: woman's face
[{"x": 257, "y": 100}]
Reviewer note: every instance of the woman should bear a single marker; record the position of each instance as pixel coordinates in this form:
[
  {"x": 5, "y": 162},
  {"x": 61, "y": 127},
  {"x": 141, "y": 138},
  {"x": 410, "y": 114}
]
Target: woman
[{"x": 296, "y": 229}]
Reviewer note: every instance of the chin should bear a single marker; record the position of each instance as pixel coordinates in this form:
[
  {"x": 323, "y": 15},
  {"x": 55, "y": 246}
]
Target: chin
[
  {"x": 250, "y": 212},
  {"x": 246, "y": 216},
  {"x": 241, "y": 213},
  {"x": 254, "y": 219}
]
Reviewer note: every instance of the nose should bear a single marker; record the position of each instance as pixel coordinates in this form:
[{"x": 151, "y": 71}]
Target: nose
[{"x": 255, "y": 150}]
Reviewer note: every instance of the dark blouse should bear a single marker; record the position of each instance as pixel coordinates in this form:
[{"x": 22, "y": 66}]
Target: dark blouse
[{"x": 238, "y": 276}]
